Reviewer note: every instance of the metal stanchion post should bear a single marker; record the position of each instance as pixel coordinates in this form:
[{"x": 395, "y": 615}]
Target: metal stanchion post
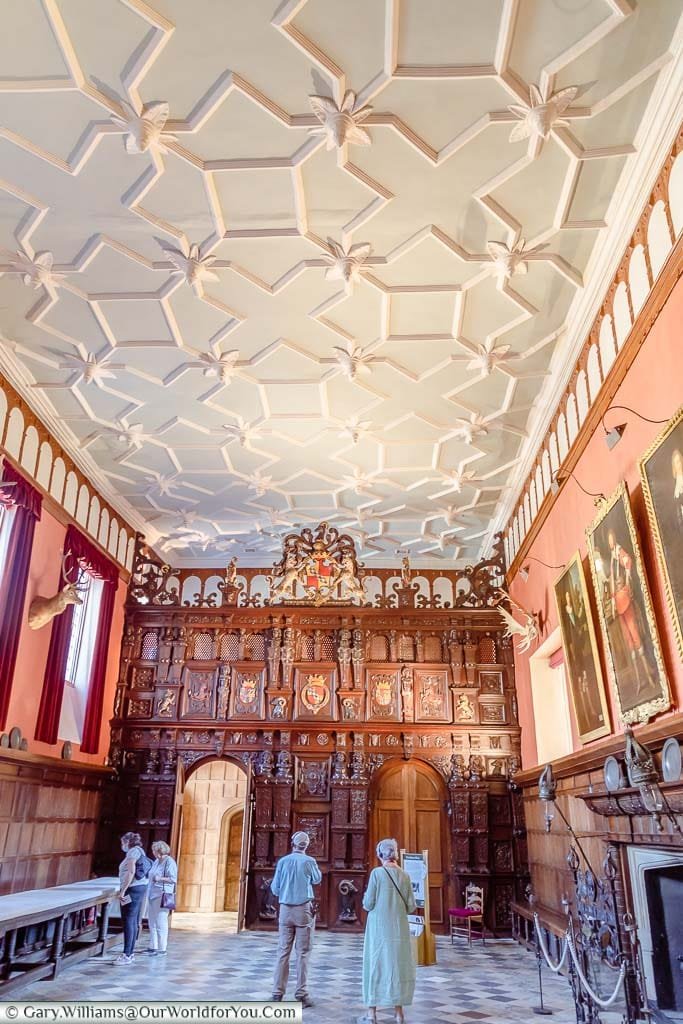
[{"x": 541, "y": 1010}]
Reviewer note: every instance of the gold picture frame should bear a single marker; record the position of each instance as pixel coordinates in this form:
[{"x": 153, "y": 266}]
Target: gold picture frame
[
  {"x": 660, "y": 464},
  {"x": 629, "y": 630},
  {"x": 581, "y": 654}
]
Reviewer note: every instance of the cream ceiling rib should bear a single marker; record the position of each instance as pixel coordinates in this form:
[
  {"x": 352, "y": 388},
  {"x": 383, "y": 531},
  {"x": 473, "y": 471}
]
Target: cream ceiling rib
[{"x": 263, "y": 265}]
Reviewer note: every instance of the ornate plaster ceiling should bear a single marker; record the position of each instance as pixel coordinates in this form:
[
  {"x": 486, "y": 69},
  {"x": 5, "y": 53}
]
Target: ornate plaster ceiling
[{"x": 243, "y": 309}]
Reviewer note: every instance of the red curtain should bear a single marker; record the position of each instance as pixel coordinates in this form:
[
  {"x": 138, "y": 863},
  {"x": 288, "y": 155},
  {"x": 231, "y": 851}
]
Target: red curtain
[
  {"x": 26, "y": 502},
  {"x": 87, "y": 557}
]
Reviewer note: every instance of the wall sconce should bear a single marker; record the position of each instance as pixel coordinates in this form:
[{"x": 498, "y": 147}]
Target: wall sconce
[
  {"x": 643, "y": 775},
  {"x": 559, "y": 478},
  {"x": 614, "y": 436},
  {"x": 524, "y": 571}
]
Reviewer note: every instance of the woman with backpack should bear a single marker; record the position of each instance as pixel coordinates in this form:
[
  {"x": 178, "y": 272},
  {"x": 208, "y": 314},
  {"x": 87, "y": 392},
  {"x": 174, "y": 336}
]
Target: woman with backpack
[
  {"x": 162, "y": 886},
  {"x": 133, "y": 872}
]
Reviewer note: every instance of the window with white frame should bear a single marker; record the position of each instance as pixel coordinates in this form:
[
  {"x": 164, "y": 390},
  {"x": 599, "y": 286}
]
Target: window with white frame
[
  {"x": 6, "y": 520},
  {"x": 79, "y": 661}
]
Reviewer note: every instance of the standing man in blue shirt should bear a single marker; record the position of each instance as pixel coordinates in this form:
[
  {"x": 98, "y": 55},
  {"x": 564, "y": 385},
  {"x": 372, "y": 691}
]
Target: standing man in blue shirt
[{"x": 295, "y": 876}]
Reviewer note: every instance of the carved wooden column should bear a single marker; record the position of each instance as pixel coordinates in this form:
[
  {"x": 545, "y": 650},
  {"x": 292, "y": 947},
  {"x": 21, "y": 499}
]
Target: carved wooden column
[
  {"x": 263, "y": 818},
  {"x": 344, "y": 658},
  {"x": 274, "y": 657},
  {"x": 358, "y": 808},
  {"x": 282, "y": 804},
  {"x": 358, "y": 656},
  {"x": 340, "y": 822}
]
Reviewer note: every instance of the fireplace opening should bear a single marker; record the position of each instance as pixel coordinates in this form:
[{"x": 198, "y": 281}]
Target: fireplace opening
[
  {"x": 656, "y": 884},
  {"x": 664, "y": 890}
]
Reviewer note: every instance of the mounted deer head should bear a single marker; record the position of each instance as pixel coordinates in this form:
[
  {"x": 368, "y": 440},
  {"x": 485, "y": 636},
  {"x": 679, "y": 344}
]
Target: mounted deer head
[{"x": 45, "y": 609}]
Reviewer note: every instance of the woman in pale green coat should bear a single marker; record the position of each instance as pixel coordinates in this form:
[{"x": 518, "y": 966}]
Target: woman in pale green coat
[{"x": 388, "y": 961}]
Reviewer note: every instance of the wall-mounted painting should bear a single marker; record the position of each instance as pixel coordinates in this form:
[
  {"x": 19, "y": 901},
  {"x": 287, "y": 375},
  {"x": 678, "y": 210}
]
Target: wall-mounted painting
[
  {"x": 634, "y": 657},
  {"x": 582, "y": 660},
  {"x": 661, "y": 469}
]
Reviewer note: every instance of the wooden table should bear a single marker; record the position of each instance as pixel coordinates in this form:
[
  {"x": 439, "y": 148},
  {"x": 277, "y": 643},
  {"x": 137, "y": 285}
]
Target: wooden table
[{"x": 41, "y": 930}]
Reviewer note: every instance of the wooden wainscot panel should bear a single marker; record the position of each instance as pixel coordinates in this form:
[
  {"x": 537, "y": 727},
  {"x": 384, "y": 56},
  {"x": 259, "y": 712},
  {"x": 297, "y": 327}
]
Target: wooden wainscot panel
[
  {"x": 199, "y": 682},
  {"x": 431, "y": 694},
  {"x": 247, "y": 693},
  {"x": 315, "y": 687},
  {"x": 383, "y": 686},
  {"x": 313, "y": 778}
]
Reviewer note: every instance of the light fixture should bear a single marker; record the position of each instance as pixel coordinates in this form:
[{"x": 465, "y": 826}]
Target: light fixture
[
  {"x": 559, "y": 478},
  {"x": 615, "y": 434},
  {"x": 524, "y": 571}
]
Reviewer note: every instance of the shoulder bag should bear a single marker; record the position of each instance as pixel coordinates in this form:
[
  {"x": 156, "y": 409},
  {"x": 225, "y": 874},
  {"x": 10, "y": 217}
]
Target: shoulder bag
[
  {"x": 167, "y": 901},
  {"x": 393, "y": 882}
]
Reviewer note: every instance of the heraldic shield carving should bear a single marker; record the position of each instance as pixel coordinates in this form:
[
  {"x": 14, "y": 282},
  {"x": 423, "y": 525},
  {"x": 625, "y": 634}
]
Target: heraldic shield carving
[{"x": 317, "y": 568}]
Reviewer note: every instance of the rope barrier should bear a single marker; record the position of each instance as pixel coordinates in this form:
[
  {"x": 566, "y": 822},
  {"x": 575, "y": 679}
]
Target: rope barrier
[
  {"x": 555, "y": 968},
  {"x": 570, "y": 948},
  {"x": 604, "y": 1003}
]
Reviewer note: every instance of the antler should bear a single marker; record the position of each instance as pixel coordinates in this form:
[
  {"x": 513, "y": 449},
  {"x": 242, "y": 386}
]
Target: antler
[{"x": 81, "y": 583}]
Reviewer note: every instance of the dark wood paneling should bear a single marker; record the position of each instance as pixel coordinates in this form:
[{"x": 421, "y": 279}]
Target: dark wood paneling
[{"x": 49, "y": 816}]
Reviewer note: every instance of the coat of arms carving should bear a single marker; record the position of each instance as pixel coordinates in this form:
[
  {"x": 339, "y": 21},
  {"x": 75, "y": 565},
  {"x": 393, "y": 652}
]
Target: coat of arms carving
[
  {"x": 315, "y": 693},
  {"x": 317, "y": 568}
]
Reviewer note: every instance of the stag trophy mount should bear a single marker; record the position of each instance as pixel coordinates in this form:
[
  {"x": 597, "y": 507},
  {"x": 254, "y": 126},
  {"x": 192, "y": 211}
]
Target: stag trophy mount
[{"x": 44, "y": 609}]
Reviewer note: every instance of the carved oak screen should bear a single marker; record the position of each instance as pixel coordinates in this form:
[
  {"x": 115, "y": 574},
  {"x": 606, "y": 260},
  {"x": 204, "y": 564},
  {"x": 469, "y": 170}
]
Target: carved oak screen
[{"x": 317, "y": 699}]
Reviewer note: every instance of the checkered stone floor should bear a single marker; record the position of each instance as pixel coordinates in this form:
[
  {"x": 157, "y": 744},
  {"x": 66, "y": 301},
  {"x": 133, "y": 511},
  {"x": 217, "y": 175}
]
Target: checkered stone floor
[{"x": 495, "y": 984}]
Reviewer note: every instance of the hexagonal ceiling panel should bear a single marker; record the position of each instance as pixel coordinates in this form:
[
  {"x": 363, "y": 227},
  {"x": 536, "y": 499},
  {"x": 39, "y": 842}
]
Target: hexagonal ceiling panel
[{"x": 269, "y": 264}]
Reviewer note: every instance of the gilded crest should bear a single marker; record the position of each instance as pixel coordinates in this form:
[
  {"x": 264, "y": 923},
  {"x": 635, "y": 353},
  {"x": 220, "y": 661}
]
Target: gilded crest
[
  {"x": 315, "y": 693},
  {"x": 317, "y": 568},
  {"x": 247, "y": 692}
]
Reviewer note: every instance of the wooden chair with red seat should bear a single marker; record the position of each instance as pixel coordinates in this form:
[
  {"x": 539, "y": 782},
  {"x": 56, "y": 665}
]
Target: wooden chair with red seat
[{"x": 461, "y": 918}]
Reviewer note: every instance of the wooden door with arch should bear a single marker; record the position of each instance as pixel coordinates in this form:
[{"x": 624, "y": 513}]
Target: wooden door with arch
[{"x": 408, "y": 803}]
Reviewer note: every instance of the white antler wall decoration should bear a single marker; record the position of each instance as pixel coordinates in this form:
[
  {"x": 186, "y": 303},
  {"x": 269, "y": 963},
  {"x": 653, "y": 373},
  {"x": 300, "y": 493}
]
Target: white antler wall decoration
[{"x": 528, "y": 631}]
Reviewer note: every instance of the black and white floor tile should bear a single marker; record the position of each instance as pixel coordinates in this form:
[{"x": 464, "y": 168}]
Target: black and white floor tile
[{"x": 495, "y": 984}]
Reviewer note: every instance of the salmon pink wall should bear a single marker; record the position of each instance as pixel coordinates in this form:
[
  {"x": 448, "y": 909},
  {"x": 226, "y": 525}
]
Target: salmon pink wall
[
  {"x": 654, "y": 388},
  {"x": 43, "y": 580}
]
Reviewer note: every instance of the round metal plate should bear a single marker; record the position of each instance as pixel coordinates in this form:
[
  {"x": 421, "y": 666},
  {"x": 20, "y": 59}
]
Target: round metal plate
[
  {"x": 612, "y": 774},
  {"x": 671, "y": 760}
]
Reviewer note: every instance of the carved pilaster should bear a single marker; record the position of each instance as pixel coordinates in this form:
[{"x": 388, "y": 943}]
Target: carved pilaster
[{"x": 358, "y": 658}]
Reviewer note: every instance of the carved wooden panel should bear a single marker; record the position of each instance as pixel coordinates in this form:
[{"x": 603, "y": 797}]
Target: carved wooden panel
[
  {"x": 491, "y": 681},
  {"x": 316, "y": 825},
  {"x": 383, "y": 688},
  {"x": 465, "y": 710},
  {"x": 431, "y": 695},
  {"x": 199, "y": 691},
  {"x": 313, "y": 778},
  {"x": 315, "y": 687},
  {"x": 492, "y": 711},
  {"x": 247, "y": 691},
  {"x": 143, "y": 678}
]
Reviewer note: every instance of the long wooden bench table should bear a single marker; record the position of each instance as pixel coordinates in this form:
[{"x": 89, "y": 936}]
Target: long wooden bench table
[{"x": 41, "y": 930}]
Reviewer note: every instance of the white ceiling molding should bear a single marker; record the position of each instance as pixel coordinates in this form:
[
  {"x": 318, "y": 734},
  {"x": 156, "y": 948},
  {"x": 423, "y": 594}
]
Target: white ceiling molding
[{"x": 415, "y": 353}]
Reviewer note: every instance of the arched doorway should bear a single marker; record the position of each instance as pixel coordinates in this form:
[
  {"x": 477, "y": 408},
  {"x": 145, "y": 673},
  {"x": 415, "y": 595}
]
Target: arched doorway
[
  {"x": 409, "y": 805},
  {"x": 212, "y": 844}
]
